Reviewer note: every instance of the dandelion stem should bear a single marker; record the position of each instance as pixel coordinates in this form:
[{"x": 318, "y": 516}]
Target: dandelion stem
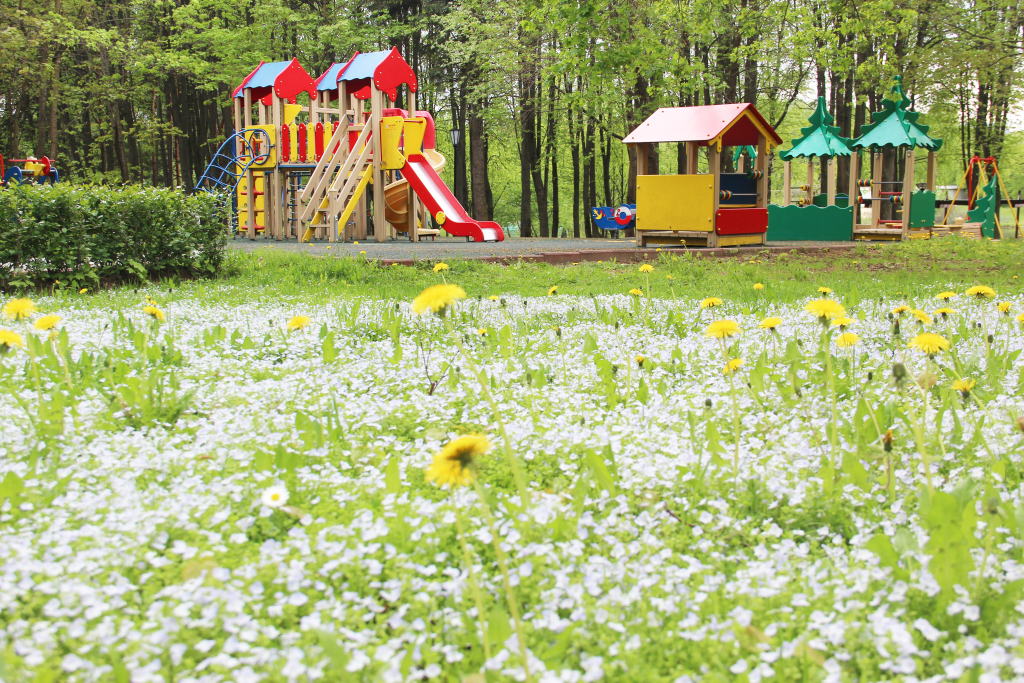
[
  {"x": 473, "y": 585},
  {"x": 524, "y": 492},
  {"x": 510, "y": 597}
]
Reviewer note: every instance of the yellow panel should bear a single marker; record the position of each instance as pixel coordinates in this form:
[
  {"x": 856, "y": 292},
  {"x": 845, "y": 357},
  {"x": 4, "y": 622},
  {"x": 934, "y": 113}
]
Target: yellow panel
[
  {"x": 675, "y": 202},
  {"x": 290, "y": 112},
  {"x": 390, "y": 136},
  {"x": 259, "y": 220},
  {"x": 243, "y": 219},
  {"x": 310, "y": 143},
  {"x": 242, "y": 201},
  {"x": 736, "y": 240},
  {"x": 259, "y": 182},
  {"x": 259, "y": 202},
  {"x": 414, "y": 131},
  {"x": 293, "y": 141},
  {"x": 328, "y": 132},
  {"x": 271, "y": 155}
]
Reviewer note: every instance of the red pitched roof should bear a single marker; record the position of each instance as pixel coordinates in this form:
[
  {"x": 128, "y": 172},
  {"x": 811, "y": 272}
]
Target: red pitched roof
[{"x": 741, "y": 124}]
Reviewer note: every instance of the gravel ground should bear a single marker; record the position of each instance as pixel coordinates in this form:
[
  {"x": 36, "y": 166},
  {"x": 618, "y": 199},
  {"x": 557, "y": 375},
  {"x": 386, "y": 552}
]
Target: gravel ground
[{"x": 443, "y": 248}]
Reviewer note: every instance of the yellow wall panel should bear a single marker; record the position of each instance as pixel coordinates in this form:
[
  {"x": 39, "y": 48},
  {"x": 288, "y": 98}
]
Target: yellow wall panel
[{"x": 675, "y": 202}]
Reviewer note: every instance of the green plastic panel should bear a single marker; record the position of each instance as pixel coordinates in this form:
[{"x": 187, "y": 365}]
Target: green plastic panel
[
  {"x": 810, "y": 223},
  {"x": 822, "y": 200},
  {"x": 984, "y": 210},
  {"x": 922, "y": 209}
]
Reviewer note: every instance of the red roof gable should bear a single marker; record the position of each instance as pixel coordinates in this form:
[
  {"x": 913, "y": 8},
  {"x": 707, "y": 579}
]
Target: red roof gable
[{"x": 737, "y": 124}]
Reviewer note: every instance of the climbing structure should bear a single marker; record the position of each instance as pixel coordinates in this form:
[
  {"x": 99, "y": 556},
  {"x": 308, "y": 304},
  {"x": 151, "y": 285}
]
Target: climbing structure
[
  {"x": 826, "y": 216},
  {"x": 897, "y": 128}
]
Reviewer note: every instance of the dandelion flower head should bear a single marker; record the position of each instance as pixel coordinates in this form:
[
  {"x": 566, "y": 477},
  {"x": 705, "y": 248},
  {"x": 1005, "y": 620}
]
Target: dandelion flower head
[
  {"x": 964, "y": 386},
  {"x": 770, "y": 323},
  {"x": 732, "y": 366},
  {"x": 456, "y": 463},
  {"x": 438, "y": 267},
  {"x": 899, "y": 310},
  {"x": 847, "y": 339},
  {"x": 944, "y": 311},
  {"x": 19, "y": 309},
  {"x": 47, "y": 322},
  {"x": 921, "y": 316},
  {"x": 824, "y": 290},
  {"x": 647, "y": 268},
  {"x": 929, "y": 343},
  {"x": 9, "y": 340},
  {"x": 825, "y": 309},
  {"x": 758, "y": 286},
  {"x": 841, "y": 322},
  {"x": 945, "y": 296},
  {"x": 154, "y": 313},
  {"x": 1004, "y": 306},
  {"x": 981, "y": 292},
  {"x": 298, "y": 322},
  {"x": 437, "y": 298},
  {"x": 722, "y": 329},
  {"x": 636, "y": 292},
  {"x": 553, "y": 290},
  {"x": 710, "y": 302}
]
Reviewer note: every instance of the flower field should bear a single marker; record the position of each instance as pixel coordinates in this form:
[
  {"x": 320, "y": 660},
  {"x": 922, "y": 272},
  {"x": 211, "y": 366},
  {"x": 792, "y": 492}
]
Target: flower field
[{"x": 477, "y": 486}]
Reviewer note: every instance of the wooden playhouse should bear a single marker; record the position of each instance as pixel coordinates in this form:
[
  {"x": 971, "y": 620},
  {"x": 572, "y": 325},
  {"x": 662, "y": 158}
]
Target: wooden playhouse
[{"x": 711, "y": 209}]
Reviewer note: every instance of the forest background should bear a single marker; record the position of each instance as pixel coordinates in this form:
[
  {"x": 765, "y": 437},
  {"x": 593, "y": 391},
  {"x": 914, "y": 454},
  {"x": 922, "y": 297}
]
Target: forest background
[{"x": 541, "y": 91}]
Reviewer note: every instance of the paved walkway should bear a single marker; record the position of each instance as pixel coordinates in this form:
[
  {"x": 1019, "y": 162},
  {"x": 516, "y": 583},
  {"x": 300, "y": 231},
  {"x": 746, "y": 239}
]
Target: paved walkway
[{"x": 447, "y": 248}]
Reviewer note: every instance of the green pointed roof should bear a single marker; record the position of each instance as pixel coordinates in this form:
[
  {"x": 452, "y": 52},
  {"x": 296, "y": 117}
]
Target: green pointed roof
[
  {"x": 895, "y": 126},
  {"x": 820, "y": 139}
]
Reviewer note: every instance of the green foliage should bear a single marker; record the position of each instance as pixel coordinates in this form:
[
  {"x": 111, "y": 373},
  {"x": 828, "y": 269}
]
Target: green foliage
[{"x": 76, "y": 237}]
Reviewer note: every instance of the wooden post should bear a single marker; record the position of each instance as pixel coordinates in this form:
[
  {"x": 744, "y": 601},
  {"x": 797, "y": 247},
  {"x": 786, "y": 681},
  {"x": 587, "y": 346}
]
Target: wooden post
[
  {"x": 810, "y": 181},
  {"x": 715, "y": 169},
  {"x": 276, "y": 205},
  {"x": 908, "y": 189},
  {"x": 830, "y": 181},
  {"x": 410, "y": 205},
  {"x": 932, "y": 168},
  {"x": 376, "y": 107},
  {"x": 853, "y": 191},
  {"x": 787, "y": 182},
  {"x": 641, "y": 169},
  {"x": 250, "y": 180},
  {"x": 691, "y": 158},
  {"x": 876, "y": 188},
  {"x": 761, "y": 164}
]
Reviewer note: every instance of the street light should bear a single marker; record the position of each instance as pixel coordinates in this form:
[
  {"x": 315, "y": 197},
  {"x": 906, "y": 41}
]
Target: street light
[{"x": 455, "y": 134}]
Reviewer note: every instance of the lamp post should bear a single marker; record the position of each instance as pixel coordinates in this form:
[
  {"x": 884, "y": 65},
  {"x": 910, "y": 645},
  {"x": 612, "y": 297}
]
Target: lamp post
[{"x": 455, "y": 134}]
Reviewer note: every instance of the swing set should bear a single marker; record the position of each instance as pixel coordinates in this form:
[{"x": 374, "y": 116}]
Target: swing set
[{"x": 979, "y": 188}]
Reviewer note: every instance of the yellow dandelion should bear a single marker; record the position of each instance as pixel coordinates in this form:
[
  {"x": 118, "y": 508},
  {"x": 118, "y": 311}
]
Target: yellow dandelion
[
  {"x": 841, "y": 322},
  {"x": 981, "y": 292},
  {"x": 944, "y": 311},
  {"x": 1020, "y": 318},
  {"x": 298, "y": 322},
  {"x": 482, "y": 331},
  {"x": 732, "y": 366},
  {"x": 10, "y": 340},
  {"x": 363, "y": 253},
  {"x": 824, "y": 290},
  {"x": 722, "y": 329},
  {"x": 19, "y": 309},
  {"x": 438, "y": 267},
  {"x": 640, "y": 360},
  {"x": 636, "y": 292},
  {"x": 494, "y": 297},
  {"x": 669, "y": 277},
  {"x": 847, "y": 339},
  {"x": 437, "y": 298},
  {"x": 553, "y": 290},
  {"x": 770, "y": 323},
  {"x": 83, "y": 290},
  {"x": 47, "y": 322},
  {"x": 154, "y": 313},
  {"x": 921, "y": 316},
  {"x": 646, "y": 268},
  {"x": 900, "y": 310},
  {"x": 758, "y": 286},
  {"x": 455, "y": 465},
  {"x": 945, "y": 296},
  {"x": 964, "y": 386},
  {"x": 710, "y": 302},
  {"x": 825, "y": 309},
  {"x": 929, "y": 343},
  {"x": 1004, "y": 307}
]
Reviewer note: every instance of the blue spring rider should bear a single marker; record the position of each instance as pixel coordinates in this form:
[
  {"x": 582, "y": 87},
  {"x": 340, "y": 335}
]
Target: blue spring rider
[{"x": 607, "y": 218}]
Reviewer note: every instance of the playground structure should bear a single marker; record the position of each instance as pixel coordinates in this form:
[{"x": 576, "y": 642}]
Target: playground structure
[
  {"x": 703, "y": 209},
  {"x": 621, "y": 218},
  {"x": 309, "y": 178},
  {"x": 978, "y": 190},
  {"x": 39, "y": 170},
  {"x": 826, "y": 216},
  {"x": 897, "y": 128}
]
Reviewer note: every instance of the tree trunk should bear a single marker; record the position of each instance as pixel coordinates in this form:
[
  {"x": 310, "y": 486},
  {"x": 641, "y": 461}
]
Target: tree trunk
[{"x": 478, "y": 163}]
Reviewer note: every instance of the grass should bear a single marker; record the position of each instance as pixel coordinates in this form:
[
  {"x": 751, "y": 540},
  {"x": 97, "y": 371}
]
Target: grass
[{"x": 859, "y": 519}]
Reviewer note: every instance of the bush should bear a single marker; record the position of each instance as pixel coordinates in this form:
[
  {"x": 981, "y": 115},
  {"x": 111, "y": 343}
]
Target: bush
[{"x": 79, "y": 236}]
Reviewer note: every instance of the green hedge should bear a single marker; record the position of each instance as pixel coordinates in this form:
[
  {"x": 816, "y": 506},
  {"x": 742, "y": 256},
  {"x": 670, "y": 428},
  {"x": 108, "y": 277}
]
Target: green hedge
[{"x": 81, "y": 236}]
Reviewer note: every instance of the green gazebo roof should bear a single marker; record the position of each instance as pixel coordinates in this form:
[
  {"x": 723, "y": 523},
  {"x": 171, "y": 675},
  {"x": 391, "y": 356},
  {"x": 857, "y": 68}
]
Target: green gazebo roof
[
  {"x": 895, "y": 126},
  {"x": 820, "y": 139}
]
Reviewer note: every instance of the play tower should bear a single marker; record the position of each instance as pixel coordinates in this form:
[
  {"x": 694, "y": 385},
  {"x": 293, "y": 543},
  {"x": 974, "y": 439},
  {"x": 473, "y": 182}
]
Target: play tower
[{"x": 347, "y": 163}]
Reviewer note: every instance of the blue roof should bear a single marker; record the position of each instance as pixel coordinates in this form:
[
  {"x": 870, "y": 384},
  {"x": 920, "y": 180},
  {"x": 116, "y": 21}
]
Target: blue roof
[
  {"x": 329, "y": 81},
  {"x": 364, "y": 65},
  {"x": 267, "y": 74}
]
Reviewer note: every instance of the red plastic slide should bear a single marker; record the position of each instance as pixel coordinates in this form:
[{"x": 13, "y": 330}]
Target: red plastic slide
[{"x": 437, "y": 197}]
